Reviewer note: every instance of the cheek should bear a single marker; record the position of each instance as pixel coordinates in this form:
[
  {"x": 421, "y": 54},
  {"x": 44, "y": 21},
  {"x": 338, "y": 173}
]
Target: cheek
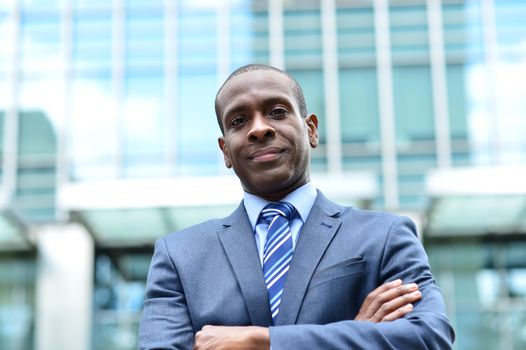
[
  {"x": 305, "y": 143},
  {"x": 302, "y": 155},
  {"x": 232, "y": 154}
]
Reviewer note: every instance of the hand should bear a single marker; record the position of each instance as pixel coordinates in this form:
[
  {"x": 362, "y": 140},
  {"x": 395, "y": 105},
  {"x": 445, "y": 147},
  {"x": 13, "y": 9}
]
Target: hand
[
  {"x": 390, "y": 301},
  {"x": 232, "y": 338}
]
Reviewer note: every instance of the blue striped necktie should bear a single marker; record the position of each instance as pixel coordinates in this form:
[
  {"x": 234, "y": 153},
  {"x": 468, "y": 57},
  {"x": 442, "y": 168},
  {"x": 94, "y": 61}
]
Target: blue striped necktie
[{"x": 277, "y": 252}]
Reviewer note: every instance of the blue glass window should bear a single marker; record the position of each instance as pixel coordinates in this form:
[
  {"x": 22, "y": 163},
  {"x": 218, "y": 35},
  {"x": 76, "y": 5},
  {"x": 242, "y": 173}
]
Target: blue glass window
[
  {"x": 144, "y": 131},
  {"x": 302, "y": 28},
  {"x": 17, "y": 302},
  {"x": 413, "y": 103},
  {"x": 5, "y": 49},
  {"x": 359, "y": 105},
  {"x": 249, "y": 36},
  {"x": 197, "y": 39},
  {"x": 409, "y": 37},
  {"x": 92, "y": 42},
  {"x": 93, "y": 117},
  {"x": 356, "y": 40},
  {"x": 145, "y": 38},
  {"x": 197, "y": 130},
  {"x": 40, "y": 42}
]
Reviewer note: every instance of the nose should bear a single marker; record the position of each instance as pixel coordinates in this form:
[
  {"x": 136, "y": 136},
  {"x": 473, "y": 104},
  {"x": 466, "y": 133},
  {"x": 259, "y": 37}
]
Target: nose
[{"x": 260, "y": 129}]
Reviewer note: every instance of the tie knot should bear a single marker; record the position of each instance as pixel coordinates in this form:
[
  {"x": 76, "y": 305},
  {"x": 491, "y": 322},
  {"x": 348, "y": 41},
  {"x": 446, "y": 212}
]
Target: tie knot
[{"x": 284, "y": 209}]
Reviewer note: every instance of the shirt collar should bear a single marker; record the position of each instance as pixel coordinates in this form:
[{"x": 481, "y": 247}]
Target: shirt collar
[{"x": 301, "y": 198}]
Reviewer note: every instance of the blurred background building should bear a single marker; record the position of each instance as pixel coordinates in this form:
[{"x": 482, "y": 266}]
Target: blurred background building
[{"x": 108, "y": 141}]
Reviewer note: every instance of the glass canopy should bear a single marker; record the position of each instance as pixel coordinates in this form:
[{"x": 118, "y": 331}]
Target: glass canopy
[{"x": 477, "y": 201}]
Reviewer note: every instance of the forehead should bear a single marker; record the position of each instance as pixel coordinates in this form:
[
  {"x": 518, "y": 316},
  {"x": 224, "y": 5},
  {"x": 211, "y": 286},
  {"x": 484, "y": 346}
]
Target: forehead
[{"x": 254, "y": 85}]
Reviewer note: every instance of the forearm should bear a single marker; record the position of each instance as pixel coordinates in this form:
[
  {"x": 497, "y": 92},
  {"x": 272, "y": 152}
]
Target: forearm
[
  {"x": 408, "y": 333},
  {"x": 420, "y": 329},
  {"x": 424, "y": 327}
]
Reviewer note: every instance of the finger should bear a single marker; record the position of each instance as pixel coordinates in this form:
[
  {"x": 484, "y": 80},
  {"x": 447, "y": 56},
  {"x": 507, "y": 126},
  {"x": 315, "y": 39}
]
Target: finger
[
  {"x": 385, "y": 287},
  {"x": 380, "y": 299},
  {"x": 393, "y": 293},
  {"x": 398, "y": 313},
  {"x": 372, "y": 297},
  {"x": 392, "y": 305}
]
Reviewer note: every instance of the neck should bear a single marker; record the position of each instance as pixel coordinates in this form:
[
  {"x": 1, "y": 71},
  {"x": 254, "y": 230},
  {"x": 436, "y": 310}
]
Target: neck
[{"x": 277, "y": 196}]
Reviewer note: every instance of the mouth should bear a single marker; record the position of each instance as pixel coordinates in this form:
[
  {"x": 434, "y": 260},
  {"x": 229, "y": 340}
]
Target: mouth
[{"x": 266, "y": 154}]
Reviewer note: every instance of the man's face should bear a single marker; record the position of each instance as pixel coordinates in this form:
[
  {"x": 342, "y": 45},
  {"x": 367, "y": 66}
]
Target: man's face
[{"x": 266, "y": 140}]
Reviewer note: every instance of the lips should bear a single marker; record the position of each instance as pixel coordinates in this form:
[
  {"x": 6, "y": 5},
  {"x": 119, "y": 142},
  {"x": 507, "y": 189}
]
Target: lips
[{"x": 266, "y": 154}]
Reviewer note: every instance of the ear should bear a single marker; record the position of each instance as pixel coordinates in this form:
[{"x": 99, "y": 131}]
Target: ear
[
  {"x": 226, "y": 156},
  {"x": 312, "y": 128}
]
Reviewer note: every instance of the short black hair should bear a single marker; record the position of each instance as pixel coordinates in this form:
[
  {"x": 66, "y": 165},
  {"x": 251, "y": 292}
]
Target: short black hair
[{"x": 296, "y": 88}]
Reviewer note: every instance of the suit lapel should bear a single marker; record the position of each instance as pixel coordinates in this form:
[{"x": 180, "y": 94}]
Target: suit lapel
[
  {"x": 316, "y": 234},
  {"x": 239, "y": 244}
]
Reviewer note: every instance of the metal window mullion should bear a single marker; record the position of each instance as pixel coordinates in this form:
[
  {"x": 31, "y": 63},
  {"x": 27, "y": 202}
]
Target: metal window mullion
[
  {"x": 438, "y": 80},
  {"x": 117, "y": 72},
  {"x": 276, "y": 33},
  {"x": 386, "y": 104},
  {"x": 64, "y": 128},
  {"x": 223, "y": 56},
  {"x": 10, "y": 161},
  {"x": 170, "y": 84},
  {"x": 331, "y": 86},
  {"x": 490, "y": 41},
  {"x": 223, "y": 40}
]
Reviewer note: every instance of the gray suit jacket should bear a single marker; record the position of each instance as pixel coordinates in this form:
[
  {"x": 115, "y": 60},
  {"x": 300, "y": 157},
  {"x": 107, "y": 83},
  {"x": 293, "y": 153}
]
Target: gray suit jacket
[{"x": 211, "y": 274}]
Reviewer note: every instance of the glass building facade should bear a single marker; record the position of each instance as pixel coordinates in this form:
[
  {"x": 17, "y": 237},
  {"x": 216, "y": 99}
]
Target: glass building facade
[{"x": 123, "y": 90}]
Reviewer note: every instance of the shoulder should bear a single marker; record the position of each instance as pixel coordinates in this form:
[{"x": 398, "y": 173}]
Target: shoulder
[
  {"x": 189, "y": 243},
  {"x": 198, "y": 232},
  {"x": 358, "y": 216},
  {"x": 366, "y": 221},
  {"x": 379, "y": 218}
]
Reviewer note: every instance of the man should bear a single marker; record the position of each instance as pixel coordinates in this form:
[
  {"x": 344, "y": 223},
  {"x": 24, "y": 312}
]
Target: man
[{"x": 288, "y": 269}]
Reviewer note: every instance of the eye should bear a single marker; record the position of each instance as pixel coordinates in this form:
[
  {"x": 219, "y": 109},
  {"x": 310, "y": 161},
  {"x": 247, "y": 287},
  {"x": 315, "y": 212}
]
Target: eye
[
  {"x": 236, "y": 121},
  {"x": 278, "y": 112}
]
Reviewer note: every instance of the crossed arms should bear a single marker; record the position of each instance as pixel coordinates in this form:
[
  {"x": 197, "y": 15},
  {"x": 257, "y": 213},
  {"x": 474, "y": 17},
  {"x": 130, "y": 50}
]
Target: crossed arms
[{"x": 388, "y": 302}]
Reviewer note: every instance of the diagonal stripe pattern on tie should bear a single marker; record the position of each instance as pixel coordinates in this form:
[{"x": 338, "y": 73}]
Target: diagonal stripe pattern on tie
[{"x": 277, "y": 252}]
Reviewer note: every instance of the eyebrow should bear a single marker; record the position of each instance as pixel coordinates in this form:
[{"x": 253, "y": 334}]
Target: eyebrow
[{"x": 281, "y": 99}]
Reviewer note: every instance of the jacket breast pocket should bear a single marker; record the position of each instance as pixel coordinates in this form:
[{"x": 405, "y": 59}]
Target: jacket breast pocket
[{"x": 348, "y": 268}]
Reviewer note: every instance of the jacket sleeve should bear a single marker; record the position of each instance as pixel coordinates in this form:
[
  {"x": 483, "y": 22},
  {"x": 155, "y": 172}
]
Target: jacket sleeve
[
  {"x": 425, "y": 327},
  {"x": 165, "y": 321}
]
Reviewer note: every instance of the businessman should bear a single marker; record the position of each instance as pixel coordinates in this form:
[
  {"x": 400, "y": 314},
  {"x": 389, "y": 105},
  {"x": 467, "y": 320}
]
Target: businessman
[{"x": 288, "y": 269}]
